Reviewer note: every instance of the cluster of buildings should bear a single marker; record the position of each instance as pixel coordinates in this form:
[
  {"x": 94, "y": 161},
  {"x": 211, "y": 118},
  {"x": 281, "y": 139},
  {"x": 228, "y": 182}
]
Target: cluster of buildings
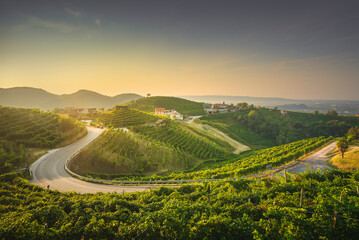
[
  {"x": 75, "y": 111},
  {"x": 173, "y": 114},
  {"x": 82, "y": 110},
  {"x": 218, "y": 107}
]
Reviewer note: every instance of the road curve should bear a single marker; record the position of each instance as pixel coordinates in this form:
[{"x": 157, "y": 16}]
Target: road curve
[
  {"x": 315, "y": 161},
  {"x": 49, "y": 170}
]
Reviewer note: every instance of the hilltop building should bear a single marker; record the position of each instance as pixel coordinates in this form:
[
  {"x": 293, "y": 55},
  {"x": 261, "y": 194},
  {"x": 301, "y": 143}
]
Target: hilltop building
[
  {"x": 284, "y": 112},
  {"x": 217, "y": 107},
  {"x": 119, "y": 107},
  {"x": 173, "y": 114},
  {"x": 76, "y": 110}
]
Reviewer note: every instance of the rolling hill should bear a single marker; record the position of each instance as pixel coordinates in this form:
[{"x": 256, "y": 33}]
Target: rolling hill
[
  {"x": 23, "y": 129},
  {"x": 38, "y": 98},
  {"x": 179, "y": 104}
]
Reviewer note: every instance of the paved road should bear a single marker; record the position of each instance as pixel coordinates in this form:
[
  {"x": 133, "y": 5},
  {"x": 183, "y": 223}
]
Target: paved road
[
  {"x": 316, "y": 161},
  {"x": 49, "y": 170}
]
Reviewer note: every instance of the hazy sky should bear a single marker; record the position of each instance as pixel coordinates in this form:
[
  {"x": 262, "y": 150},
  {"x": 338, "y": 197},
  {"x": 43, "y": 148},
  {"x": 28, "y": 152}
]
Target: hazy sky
[{"x": 291, "y": 49}]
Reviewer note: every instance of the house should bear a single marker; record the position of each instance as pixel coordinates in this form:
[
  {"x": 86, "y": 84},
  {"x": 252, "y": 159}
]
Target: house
[
  {"x": 91, "y": 110},
  {"x": 173, "y": 114},
  {"x": 283, "y": 112},
  {"x": 160, "y": 123},
  {"x": 160, "y": 111},
  {"x": 176, "y": 115},
  {"x": 218, "y": 107},
  {"x": 119, "y": 107}
]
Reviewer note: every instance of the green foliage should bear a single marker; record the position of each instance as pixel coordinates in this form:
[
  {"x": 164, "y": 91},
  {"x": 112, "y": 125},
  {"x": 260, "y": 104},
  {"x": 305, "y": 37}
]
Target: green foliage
[
  {"x": 343, "y": 145},
  {"x": 353, "y": 133},
  {"x": 278, "y": 129},
  {"x": 22, "y": 127},
  {"x": 257, "y": 161},
  {"x": 181, "y": 105},
  {"x": 243, "y": 209},
  {"x": 126, "y": 117},
  {"x": 32, "y": 127}
]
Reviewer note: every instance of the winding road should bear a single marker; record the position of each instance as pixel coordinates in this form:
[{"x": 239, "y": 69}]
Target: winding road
[{"x": 49, "y": 170}]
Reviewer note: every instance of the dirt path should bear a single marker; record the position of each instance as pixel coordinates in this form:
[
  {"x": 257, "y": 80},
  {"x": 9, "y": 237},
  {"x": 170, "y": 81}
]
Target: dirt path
[{"x": 239, "y": 147}]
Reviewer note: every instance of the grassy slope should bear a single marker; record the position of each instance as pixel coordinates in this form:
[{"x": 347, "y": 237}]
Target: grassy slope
[
  {"x": 350, "y": 162},
  {"x": 226, "y": 122},
  {"x": 182, "y": 106}
]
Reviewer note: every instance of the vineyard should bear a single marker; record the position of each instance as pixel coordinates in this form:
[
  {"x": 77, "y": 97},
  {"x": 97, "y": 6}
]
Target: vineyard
[
  {"x": 178, "y": 138},
  {"x": 120, "y": 151},
  {"x": 244, "y": 164},
  {"x": 126, "y": 117},
  {"x": 258, "y": 161},
  {"x": 22, "y": 128},
  {"x": 312, "y": 205}
]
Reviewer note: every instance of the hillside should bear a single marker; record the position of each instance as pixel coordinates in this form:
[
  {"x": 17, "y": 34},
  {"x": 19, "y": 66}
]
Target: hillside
[
  {"x": 127, "y": 153},
  {"x": 22, "y": 130},
  {"x": 181, "y": 105},
  {"x": 243, "y": 209},
  {"x": 262, "y": 127},
  {"x": 37, "y": 98},
  {"x": 147, "y": 148},
  {"x": 126, "y": 117}
]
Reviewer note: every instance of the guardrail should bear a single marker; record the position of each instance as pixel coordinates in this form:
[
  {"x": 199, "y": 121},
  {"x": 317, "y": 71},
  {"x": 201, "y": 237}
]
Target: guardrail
[{"x": 257, "y": 175}]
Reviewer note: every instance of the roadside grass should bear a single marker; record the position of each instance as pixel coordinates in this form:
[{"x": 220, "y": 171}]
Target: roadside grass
[
  {"x": 72, "y": 136},
  {"x": 208, "y": 137},
  {"x": 242, "y": 135},
  {"x": 350, "y": 162}
]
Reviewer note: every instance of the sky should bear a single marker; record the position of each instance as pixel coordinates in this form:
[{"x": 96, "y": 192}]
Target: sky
[{"x": 288, "y": 49}]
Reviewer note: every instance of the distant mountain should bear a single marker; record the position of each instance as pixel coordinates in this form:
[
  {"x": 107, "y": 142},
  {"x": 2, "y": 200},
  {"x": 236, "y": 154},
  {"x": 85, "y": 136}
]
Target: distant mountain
[
  {"x": 344, "y": 107},
  {"x": 38, "y": 98}
]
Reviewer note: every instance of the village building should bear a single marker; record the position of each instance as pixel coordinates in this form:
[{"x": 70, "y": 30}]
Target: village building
[
  {"x": 284, "y": 112},
  {"x": 173, "y": 114},
  {"x": 119, "y": 107},
  {"x": 217, "y": 107},
  {"x": 160, "y": 111}
]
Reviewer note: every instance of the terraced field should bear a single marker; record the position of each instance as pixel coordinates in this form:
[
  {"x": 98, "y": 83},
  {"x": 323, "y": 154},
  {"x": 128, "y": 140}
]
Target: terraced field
[{"x": 127, "y": 117}]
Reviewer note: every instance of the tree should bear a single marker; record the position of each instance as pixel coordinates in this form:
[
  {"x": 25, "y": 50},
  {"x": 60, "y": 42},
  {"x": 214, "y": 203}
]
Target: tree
[
  {"x": 316, "y": 112},
  {"x": 343, "y": 146},
  {"x": 332, "y": 113},
  {"x": 354, "y": 132}
]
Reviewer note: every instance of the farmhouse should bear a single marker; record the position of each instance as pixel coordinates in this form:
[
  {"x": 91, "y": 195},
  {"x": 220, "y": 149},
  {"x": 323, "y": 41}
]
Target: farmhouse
[
  {"x": 169, "y": 112},
  {"x": 119, "y": 107},
  {"x": 284, "y": 112},
  {"x": 217, "y": 107}
]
